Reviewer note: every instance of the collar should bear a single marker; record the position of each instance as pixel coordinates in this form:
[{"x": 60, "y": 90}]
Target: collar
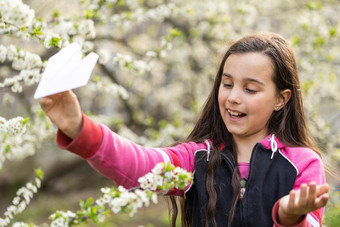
[
  {"x": 266, "y": 142},
  {"x": 272, "y": 143}
]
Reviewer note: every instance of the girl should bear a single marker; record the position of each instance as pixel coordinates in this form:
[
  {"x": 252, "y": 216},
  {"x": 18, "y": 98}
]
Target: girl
[{"x": 253, "y": 161}]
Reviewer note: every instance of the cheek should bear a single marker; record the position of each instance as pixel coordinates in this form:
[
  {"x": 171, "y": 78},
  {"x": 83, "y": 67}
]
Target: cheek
[{"x": 262, "y": 108}]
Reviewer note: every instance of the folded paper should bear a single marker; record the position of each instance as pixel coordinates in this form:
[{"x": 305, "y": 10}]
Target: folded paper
[{"x": 66, "y": 70}]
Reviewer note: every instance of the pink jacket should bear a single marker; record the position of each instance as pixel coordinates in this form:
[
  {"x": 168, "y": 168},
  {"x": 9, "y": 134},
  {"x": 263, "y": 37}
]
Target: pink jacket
[{"x": 124, "y": 161}]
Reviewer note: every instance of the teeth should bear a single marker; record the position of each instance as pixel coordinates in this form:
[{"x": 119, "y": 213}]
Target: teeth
[{"x": 234, "y": 114}]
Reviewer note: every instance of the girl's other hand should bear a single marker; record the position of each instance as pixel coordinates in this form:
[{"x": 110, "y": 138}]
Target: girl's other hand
[
  {"x": 64, "y": 111},
  {"x": 298, "y": 203}
]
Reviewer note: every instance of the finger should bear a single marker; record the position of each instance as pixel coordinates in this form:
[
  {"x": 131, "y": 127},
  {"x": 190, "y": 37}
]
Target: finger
[
  {"x": 45, "y": 102},
  {"x": 291, "y": 202},
  {"x": 321, "y": 201},
  {"x": 322, "y": 189},
  {"x": 303, "y": 195},
  {"x": 311, "y": 194}
]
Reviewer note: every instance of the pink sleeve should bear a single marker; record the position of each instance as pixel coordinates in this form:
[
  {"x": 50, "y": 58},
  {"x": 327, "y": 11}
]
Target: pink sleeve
[
  {"x": 120, "y": 159},
  {"x": 310, "y": 168}
]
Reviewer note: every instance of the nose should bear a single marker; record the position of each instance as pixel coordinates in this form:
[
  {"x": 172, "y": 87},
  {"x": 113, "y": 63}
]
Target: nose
[{"x": 234, "y": 96}]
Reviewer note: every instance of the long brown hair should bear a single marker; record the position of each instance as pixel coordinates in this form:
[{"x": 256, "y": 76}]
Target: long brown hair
[{"x": 288, "y": 124}]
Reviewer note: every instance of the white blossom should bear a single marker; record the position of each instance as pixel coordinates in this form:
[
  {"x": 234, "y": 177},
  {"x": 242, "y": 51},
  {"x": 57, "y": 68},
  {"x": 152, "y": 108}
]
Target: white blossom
[
  {"x": 126, "y": 61},
  {"x": 65, "y": 29},
  {"x": 151, "y": 54},
  {"x": 104, "y": 56},
  {"x": 19, "y": 146},
  {"x": 52, "y": 39},
  {"x": 86, "y": 28},
  {"x": 16, "y": 12},
  {"x": 20, "y": 202},
  {"x": 13, "y": 126},
  {"x": 88, "y": 46}
]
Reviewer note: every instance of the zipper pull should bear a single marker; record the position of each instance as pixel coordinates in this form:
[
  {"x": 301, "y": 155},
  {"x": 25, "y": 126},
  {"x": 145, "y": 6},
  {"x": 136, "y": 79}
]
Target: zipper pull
[
  {"x": 273, "y": 145},
  {"x": 243, "y": 187}
]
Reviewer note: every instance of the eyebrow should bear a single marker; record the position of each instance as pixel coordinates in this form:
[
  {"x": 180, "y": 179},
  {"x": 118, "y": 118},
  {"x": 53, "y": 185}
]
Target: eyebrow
[{"x": 246, "y": 79}]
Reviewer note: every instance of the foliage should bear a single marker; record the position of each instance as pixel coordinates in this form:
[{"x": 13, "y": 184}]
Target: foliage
[{"x": 332, "y": 212}]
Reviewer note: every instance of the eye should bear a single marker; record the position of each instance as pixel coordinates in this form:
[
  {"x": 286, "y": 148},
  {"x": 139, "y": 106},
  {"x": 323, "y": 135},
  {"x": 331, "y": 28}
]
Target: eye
[
  {"x": 251, "y": 91},
  {"x": 227, "y": 85}
]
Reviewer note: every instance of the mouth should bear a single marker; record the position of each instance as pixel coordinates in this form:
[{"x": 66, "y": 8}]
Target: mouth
[{"x": 236, "y": 115}]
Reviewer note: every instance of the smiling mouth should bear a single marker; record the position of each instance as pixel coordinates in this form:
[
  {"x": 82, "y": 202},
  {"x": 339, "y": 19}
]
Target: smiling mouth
[{"x": 233, "y": 114}]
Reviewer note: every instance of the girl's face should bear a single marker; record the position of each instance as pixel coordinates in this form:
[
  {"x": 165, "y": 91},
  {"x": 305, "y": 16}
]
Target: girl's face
[{"x": 247, "y": 95}]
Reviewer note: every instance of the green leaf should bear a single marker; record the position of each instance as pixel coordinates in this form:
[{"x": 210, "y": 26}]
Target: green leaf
[
  {"x": 175, "y": 32},
  {"x": 88, "y": 14},
  {"x": 81, "y": 203},
  {"x": 88, "y": 203},
  {"x": 149, "y": 121},
  {"x": 23, "y": 29},
  {"x": 55, "y": 41},
  {"x": 96, "y": 78},
  {"x": 93, "y": 214},
  {"x": 56, "y": 14},
  {"x": 332, "y": 77},
  {"x": 296, "y": 40},
  {"x": 121, "y": 2},
  {"x": 25, "y": 120},
  {"x": 307, "y": 85},
  {"x": 318, "y": 41},
  {"x": 7, "y": 149},
  {"x": 169, "y": 167},
  {"x": 36, "y": 32},
  {"x": 47, "y": 125},
  {"x": 39, "y": 173},
  {"x": 333, "y": 32},
  {"x": 128, "y": 15},
  {"x": 314, "y": 5}
]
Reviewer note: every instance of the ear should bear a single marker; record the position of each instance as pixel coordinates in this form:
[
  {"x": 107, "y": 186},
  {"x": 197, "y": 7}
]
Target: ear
[{"x": 283, "y": 99}]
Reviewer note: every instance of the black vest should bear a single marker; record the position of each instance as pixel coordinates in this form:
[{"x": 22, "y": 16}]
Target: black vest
[{"x": 268, "y": 180}]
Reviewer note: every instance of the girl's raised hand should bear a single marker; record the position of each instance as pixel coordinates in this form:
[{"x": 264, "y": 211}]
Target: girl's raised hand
[
  {"x": 64, "y": 111},
  {"x": 298, "y": 203}
]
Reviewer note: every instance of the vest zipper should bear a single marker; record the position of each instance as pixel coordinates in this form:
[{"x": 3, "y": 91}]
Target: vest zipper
[{"x": 251, "y": 170}]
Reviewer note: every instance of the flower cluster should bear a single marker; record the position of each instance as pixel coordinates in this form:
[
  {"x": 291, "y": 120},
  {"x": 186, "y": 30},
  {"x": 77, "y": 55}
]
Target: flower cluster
[
  {"x": 13, "y": 126},
  {"x": 141, "y": 67},
  {"x": 18, "y": 18},
  {"x": 109, "y": 88},
  {"x": 19, "y": 146},
  {"x": 120, "y": 200},
  {"x": 137, "y": 66},
  {"x": 16, "y": 12},
  {"x": 139, "y": 15},
  {"x": 165, "y": 177},
  {"x": 20, "y": 59},
  {"x": 61, "y": 218},
  {"x": 66, "y": 30},
  {"x": 27, "y": 63},
  {"x": 22, "y": 199}
]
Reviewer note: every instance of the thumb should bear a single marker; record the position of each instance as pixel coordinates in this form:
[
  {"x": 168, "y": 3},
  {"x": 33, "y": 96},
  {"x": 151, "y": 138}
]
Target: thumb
[{"x": 45, "y": 102}]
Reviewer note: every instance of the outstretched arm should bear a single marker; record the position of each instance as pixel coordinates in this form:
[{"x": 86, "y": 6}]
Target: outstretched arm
[{"x": 294, "y": 206}]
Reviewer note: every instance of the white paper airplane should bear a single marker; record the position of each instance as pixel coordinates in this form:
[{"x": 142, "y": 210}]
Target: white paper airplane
[{"x": 66, "y": 70}]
